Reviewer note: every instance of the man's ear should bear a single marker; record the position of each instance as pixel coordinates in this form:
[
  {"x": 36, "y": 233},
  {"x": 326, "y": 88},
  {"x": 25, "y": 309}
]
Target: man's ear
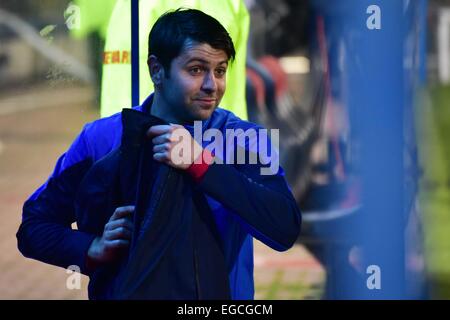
[{"x": 156, "y": 70}]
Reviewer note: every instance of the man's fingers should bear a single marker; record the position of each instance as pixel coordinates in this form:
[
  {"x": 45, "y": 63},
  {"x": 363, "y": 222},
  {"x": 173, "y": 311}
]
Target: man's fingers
[
  {"x": 121, "y": 212},
  {"x": 117, "y": 244},
  {"x": 161, "y": 147},
  {"x": 161, "y": 156},
  {"x": 158, "y": 130},
  {"x": 123, "y": 222},
  {"x": 164, "y": 138},
  {"x": 118, "y": 233}
]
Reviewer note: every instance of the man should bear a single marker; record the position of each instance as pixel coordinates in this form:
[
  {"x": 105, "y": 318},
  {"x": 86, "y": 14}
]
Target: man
[{"x": 189, "y": 53}]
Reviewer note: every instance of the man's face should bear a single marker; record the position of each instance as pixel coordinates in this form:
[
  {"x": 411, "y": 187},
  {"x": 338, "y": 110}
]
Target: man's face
[{"x": 196, "y": 82}]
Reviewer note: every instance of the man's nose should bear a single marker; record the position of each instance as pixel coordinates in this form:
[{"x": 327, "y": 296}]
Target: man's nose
[{"x": 209, "y": 82}]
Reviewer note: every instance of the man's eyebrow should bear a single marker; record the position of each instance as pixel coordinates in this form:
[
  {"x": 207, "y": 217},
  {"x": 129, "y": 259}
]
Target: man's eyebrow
[{"x": 195, "y": 59}]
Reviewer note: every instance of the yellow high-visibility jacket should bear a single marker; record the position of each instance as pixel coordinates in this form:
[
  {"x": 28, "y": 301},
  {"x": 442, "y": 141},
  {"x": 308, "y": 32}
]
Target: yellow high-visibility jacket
[
  {"x": 94, "y": 16},
  {"x": 116, "y": 79}
]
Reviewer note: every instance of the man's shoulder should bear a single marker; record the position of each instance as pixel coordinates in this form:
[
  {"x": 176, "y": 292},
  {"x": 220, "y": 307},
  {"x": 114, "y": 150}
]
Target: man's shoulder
[
  {"x": 230, "y": 121},
  {"x": 106, "y": 123},
  {"x": 103, "y": 135},
  {"x": 112, "y": 123}
]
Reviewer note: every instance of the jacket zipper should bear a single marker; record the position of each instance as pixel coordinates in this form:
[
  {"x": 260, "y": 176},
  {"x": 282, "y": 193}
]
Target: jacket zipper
[
  {"x": 196, "y": 264},
  {"x": 197, "y": 280}
]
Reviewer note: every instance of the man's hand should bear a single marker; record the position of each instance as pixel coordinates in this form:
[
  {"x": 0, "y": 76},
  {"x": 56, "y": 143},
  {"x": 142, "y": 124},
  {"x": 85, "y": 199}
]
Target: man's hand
[
  {"x": 114, "y": 241},
  {"x": 174, "y": 145}
]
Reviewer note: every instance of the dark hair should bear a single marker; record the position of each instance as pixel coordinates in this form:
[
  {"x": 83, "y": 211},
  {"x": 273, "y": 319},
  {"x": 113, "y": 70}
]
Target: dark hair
[{"x": 173, "y": 28}]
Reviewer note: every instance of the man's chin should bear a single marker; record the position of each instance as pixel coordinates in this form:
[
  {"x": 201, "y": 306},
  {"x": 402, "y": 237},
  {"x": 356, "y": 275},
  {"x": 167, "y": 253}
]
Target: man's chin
[{"x": 204, "y": 114}]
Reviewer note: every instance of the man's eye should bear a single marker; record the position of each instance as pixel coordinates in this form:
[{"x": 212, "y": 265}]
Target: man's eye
[
  {"x": 220, "y": 72},
  {"x": 195, "y": 70}
]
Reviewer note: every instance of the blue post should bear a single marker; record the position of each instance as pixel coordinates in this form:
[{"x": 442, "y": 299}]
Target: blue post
[
  {"x": 135, "y": 52},
  {"x": 422, "y": 8},
  {"x": 376, "y": 80},
  {"x": 368, "y": 37}
]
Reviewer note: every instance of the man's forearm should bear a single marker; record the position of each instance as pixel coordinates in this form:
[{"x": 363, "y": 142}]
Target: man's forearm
[
  {"x": 53, "y": 243},
  {"x": 267, "y": 207}
]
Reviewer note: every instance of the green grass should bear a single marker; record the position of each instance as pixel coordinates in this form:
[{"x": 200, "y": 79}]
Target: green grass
[
  {"x": 433, "y": 119},
  {"x": 279, "y": 288}
]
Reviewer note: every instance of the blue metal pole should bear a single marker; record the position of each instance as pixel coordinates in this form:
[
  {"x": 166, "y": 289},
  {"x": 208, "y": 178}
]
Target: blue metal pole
[
  {"x": 423, "y": 13},
  {"x": 370, "y": 36},
  {"x": 377, "y": 86},
  {"x": 135, "y": 52}
]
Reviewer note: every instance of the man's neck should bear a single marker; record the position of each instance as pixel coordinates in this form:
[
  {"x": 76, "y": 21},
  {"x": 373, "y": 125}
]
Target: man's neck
[{"x": 162, "y": 111}]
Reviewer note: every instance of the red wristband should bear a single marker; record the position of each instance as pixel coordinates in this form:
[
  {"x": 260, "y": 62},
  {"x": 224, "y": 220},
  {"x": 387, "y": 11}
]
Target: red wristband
[{"x": 198, "y": 169}]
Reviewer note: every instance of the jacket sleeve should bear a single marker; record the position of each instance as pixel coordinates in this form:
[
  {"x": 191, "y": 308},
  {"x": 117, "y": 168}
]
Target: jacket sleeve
[
  {"x": 263, "y": 203},
  {"x": 45, "y": 233}
]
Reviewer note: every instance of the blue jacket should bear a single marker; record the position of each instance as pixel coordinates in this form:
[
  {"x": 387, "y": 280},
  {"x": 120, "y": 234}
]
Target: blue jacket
[{"x": 245, "y": 204}]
